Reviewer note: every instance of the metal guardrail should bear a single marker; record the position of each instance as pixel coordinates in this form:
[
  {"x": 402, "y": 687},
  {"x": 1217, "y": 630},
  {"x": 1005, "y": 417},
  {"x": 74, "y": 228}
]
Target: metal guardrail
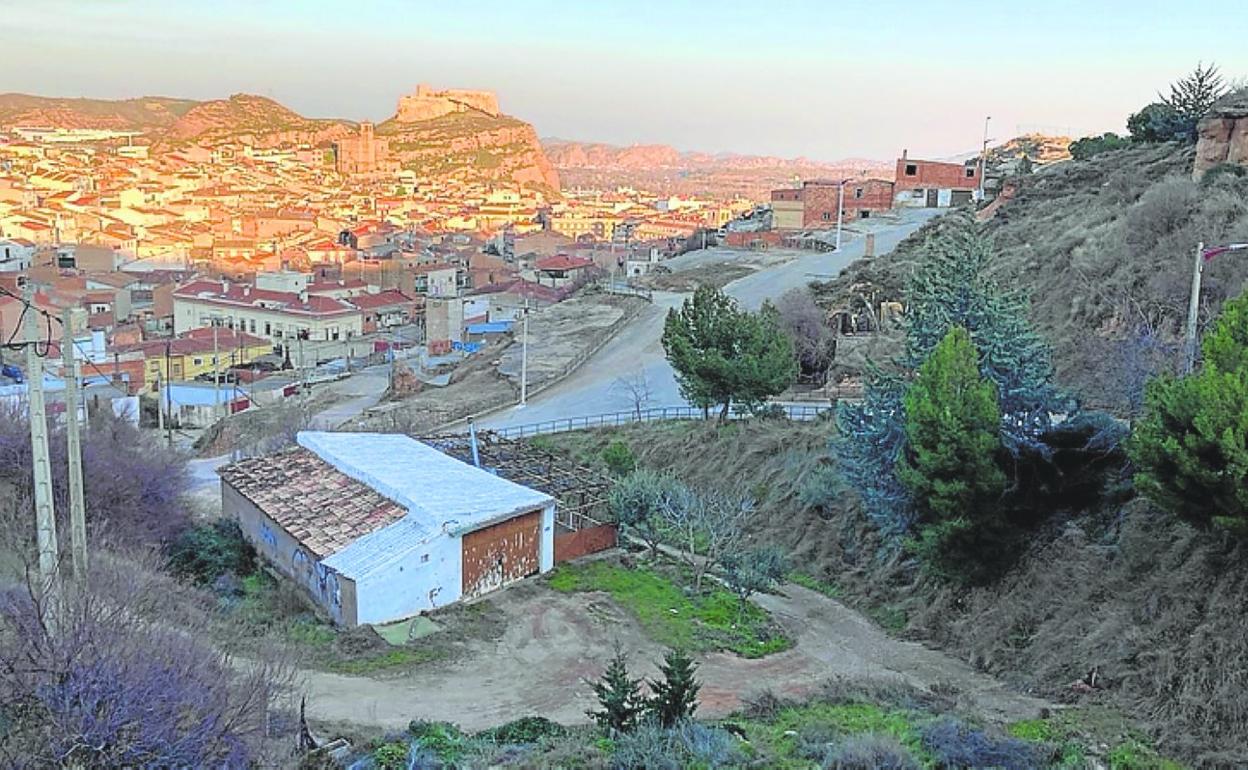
[{"x": 798, "y": 412}]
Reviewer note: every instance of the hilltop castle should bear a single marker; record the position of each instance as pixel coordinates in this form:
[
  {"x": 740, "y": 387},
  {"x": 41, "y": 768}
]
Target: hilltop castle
[{"x": 427, "y": 104}]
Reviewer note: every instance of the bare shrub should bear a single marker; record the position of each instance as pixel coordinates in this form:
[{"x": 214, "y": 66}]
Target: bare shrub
[
  {"x": 116, "y": 674},
  {"x": 134, "y": 485}
]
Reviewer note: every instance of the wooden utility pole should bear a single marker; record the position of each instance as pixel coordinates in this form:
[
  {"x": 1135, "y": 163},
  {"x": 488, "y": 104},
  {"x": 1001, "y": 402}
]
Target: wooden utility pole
[
  {"x": 77, "y": 505},
  {"x": 45, "y": 515},
  {"x": 1193, "y": 311}
]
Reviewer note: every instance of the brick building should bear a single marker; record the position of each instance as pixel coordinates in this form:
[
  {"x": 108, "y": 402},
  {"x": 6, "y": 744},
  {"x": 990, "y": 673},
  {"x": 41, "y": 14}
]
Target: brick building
[
  {"x": 934, "y": 184},
  {"x": 813, "y": 205}
]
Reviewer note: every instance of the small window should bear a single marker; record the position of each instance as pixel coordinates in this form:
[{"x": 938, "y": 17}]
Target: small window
[
  {"x": 864, "y": 214},
  {"x": 912, "y": 169},
  {"x": 827, "y": 215},
  {"x": 970, "y": 171},
  {"x": 919, "y": 193},
  {"x": 857, "y": 192},
  {"x": 199, "y": 361},
  {"x": 424, "y": 558}
]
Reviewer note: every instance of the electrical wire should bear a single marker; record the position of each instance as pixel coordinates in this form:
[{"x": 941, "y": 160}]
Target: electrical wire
[{"x": 47, "y": 344}]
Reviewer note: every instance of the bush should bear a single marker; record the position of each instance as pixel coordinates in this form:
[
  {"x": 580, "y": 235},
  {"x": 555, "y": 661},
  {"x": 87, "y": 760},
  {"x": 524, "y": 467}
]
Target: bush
[
  {"x": 525, "y": 730},
  {"x": 955, "y": 744},
  {"x": 618, "y": 458},
  {"x": 126, "y": 680},
  {"x": 1191, "y": 447},
  {"x": 206, "y": 552},
  {"x": 1159, "y": 122},
  {"x": 687, "y": 744},
  {"x": 1091, "y": 146},
  {"x": 134, "y": 484},
  {"x": 869, "y": 751}
]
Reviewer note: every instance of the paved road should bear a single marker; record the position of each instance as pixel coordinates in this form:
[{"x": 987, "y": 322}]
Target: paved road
[
  {"x": 360, "y": 391},
  {"x": 635, "y": 354}
]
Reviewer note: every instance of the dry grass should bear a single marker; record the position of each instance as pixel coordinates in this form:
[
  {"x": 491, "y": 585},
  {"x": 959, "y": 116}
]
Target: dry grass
[{"x": 1158, "y": 607}]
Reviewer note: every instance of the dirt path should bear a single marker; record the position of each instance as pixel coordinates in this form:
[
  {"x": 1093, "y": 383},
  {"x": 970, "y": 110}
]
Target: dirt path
[{"x": 554, "y": 641}]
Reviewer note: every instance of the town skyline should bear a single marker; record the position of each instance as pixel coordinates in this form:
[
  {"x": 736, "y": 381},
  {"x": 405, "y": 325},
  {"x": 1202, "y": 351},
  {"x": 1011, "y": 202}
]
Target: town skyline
[{"x": 643, "y": 74}]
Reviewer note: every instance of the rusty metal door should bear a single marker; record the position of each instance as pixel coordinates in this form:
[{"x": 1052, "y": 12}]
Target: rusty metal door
[
  {"x": 501, "y": 553},
  {"x": 933, "y": 198}
]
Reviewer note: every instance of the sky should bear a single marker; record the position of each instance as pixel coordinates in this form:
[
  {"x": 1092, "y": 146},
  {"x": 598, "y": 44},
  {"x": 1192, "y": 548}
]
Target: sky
[{"x": 823, "y": 79}]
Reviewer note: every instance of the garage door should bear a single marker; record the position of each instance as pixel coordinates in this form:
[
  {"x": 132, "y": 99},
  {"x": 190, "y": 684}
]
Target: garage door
[
  {"x": 960, "y": 198},
  {"x": 501, "y": 553}
]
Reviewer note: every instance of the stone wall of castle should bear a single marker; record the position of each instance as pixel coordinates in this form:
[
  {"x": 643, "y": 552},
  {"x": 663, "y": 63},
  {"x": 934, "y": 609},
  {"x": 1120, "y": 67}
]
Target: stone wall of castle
[{"x": 427, "y": 104}]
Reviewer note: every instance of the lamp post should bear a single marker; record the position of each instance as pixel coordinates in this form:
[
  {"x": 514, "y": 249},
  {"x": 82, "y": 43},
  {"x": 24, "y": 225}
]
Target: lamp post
[
  {"x": 1203, "y": 255},
  {"x": 524, "y": 356},
  {"x": 983, "y": 159},
  {"x": 840, "y": 211}
]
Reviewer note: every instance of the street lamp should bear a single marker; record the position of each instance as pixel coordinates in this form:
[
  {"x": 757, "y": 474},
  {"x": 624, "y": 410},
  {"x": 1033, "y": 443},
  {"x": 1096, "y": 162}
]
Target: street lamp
[
  {"x": 983, "y": 159},
  {"x": 1203, "y": 255},
  {"x": 840, "y": 211}
]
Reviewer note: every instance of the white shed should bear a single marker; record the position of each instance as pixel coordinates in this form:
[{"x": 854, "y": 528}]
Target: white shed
[{"x": 379, "y": 527}]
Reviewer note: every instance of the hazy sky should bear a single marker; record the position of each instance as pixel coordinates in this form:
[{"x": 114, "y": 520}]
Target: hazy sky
[{"x": 825, "y": 78}]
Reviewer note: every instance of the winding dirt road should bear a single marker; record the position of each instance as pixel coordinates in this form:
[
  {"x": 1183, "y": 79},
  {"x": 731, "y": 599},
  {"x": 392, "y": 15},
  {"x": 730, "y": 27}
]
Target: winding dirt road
[{"x": 554, "y": 641}]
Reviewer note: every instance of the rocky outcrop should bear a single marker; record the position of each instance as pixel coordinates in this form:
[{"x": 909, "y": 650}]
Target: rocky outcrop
[
  {"x": 428, "y": 104},
  {"x": 1222, "y": 135}
]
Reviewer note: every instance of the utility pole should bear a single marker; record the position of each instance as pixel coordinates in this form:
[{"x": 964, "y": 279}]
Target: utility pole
[
  {"x": 1203, "y": 255},
  {"x": 77, "y": 506},
  {"x": 983, "y": 159},
  {"x": 168, "y": 383},
  {"x": 524, "y": 356},
  {"x": 1193, "y": 311},
  {"x": 840, "y": 212},
  {"x": 45, "y": 515},
  {"x": 216, "y": 371}
]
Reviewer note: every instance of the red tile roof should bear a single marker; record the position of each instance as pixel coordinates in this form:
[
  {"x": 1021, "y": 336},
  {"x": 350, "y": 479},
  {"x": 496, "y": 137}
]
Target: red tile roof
[
  {"x": 560, "y": 262},
  {"x": 318, "y": 505},
  {"x": 247, "y": 296},
  {"x": 385, "y": 298}
]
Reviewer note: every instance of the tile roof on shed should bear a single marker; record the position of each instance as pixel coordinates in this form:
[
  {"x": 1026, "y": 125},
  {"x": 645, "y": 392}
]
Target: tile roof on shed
[{"x": 321, "y": 507}]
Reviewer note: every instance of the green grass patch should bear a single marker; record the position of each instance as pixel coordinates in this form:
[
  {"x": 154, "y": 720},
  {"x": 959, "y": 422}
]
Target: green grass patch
[
  {"x": 830, "y": 590},
  {"x": 712, "y": 620},
  {"x": 781, "y": 738},
  {"x": 392, "y": 658},
  {"x": 889, "y": 618}
]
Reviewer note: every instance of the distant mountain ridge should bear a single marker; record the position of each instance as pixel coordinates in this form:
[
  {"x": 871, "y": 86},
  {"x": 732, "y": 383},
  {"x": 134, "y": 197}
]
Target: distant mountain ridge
[
  {"x": 145, "y": 113},
  {"x": 666, "y": 170}
]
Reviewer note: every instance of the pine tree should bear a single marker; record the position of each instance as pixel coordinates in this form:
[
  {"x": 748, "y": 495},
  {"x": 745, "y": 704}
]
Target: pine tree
[
  {"x": 1193, "y": 95},
  {"x": 950, "y": 466},
  {"x": 619, "y": 695},
  {"x": 675, "y": 697},
  {"x": 723, "y": 354},
  {"x": 1191, "y": 446}
]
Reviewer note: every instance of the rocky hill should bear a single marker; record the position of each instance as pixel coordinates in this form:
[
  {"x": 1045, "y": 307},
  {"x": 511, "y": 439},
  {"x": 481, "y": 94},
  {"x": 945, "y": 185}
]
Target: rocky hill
[
  {"x": 667, "y": 170},
  {"x": 440, "y": 134},
  {"x": 148, "y": 113},
  {"x": 470, "y": 144},
  {"x": 254, "y": 119}
]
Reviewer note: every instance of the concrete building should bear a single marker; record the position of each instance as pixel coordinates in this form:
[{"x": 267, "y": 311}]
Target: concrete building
[
  {"x": 934, "y": 184},
  {"x": 280, "y": 316},
  {"x": 813, "y": 206},
  {"x": 787, "y": 209},
  {"x": 379, "y": 527},
  {"x": 16, "y": 255}
]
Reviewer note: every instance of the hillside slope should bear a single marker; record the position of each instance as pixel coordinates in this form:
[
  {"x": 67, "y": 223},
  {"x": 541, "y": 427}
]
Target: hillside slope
[
  {"x": 1104, "y": 248},
  {"x": 259, "y": 119},
  {"x": 143, "y": 114}
]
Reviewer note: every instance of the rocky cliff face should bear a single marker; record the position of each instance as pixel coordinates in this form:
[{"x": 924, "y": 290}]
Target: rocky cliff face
[{"x": 1222, "y": 135}]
